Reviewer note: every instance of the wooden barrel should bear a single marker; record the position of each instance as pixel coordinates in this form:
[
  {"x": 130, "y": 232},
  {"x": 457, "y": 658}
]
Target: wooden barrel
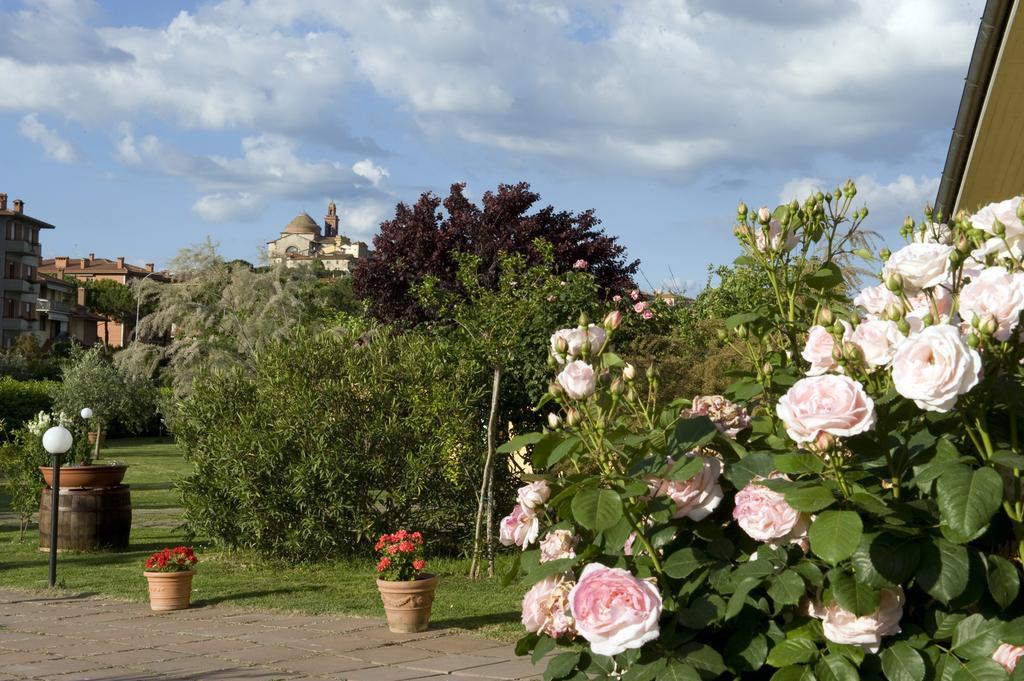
[{"x": 88, "y": 519}]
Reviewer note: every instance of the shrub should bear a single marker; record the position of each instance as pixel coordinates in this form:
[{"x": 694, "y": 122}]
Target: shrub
[
  {"x": 331, "y": 439},
  {"x": 20, "y": 401},
  {"x": 866, "y": 522}
]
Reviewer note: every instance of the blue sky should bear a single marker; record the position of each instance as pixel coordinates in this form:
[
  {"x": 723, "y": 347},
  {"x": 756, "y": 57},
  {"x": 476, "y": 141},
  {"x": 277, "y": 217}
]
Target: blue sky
[{"x": 139, "y": 128}]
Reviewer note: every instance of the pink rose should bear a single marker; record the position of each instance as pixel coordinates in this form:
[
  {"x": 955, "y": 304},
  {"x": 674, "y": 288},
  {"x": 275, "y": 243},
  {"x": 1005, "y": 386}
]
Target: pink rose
[
  {"x": 519, "y": 528},
  {"x": 558, "y": 544},
  {"x": 697, "y": 497},
  {"x": 634, "y": 294},
  {"x": 534, "y": 495},
  {"x": 921, "y": 265},
  {"x": 616, "y": 298},
  {"x": 640, "y": 307},
  {"x": 842, "y": 626},
  {"x": 1008, "y": 656},
  {"x": 580, "y": 264},
  {"x": 574, "y": 339},
  {"x": 729, "y": 418},
  {"x": 831, "y": 404},
  {"x": 578, "y": 380},
  {"x": 935, "y": 367},
  {"x": 818, "y": 349},
  {"x": 546, "y": 607},
  {"x": 670, "y": 301},
  {"x": 994, "y": 293},
  {"x": 614, "y": 610},
  {"x": 875, "y": 299},
  {"x": 773, "y": 238},
  {"x": 1006, "y": 213},
  {"x": 648, "y": 314},
  {"x": 765, "y": 516},
  {"x": 877, "y": 340}
]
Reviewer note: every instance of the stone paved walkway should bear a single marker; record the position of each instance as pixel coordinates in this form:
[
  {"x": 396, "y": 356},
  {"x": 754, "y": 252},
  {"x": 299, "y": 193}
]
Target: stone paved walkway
[{"x": 72, "y": 639}]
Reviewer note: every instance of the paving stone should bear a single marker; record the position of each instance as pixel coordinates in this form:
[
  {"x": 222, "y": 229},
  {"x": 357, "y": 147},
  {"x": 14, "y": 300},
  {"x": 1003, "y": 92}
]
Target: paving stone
[
  {"x": 343, "y": 644},
  {"x": 53, "y": 666},
  {"x": 204, "y": 646},
  {"x": 381, "y": 674},
  {"x": 461, "y": 644},
  {"x": 189, "y": 664},
  {"x": 248, "y": 674},
  {"x": 515, "y": 669},
  {"x": 321, "y": 664},
  {"x": 446, "y": 664},
  {"x": 138, "y": 657},
  {"x": 107, "y": 674},
  {"x": 390, "y": 654},
  {"x": 385, "y": 634},
  {"x": 263, "y": 654}
]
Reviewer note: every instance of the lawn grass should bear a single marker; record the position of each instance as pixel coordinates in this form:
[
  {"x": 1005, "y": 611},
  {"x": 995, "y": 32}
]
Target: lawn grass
[{"x": 345, "y": 587}]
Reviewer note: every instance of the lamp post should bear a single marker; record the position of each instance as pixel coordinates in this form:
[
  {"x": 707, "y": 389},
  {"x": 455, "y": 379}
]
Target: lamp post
[
  {"x": 138, "y": 306},
  {"x": 86, "y": 414},
  {"x": 57, "y": 441}
]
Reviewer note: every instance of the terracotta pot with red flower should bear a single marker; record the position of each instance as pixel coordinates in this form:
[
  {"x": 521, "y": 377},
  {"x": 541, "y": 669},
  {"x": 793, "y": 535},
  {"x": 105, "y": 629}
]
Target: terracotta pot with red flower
[
  {"x": 170, "y": 573},
  {"x": 407, "y": 591}
]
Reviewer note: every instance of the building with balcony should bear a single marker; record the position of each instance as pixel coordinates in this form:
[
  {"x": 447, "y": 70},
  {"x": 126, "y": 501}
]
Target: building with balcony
[
  {"x": 61, "y": 312},
  {"x": 19, "y": 263},
  {"x": 91, "y": 268},
  {"x": 303, "y": 243}
]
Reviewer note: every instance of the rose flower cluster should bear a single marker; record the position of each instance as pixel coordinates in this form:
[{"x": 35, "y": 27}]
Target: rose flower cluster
[
  {"x": 400, "y": 556},
  {"x": 178, "y": 559}
]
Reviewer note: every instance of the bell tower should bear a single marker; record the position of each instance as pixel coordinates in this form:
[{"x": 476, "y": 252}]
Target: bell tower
[{"x": 331, "y": 220}]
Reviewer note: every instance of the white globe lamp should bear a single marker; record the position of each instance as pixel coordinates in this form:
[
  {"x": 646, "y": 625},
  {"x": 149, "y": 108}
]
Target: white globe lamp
[
  {"x": 57, "y": 440},
  {"x": 87, "y": 413}
]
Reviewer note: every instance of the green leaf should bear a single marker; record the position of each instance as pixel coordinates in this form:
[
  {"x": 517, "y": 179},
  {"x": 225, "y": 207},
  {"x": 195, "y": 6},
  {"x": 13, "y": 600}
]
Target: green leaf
[
  {"x": 835, "y": 535},
  {"x": 968, "y": 498},
  {"x": 561, "y": 665},
  {"x": 1008, "y": 459},
  {"x": 753, "y": 464},
  {"x": 786, "y": 588},
  {"x": 884, "y": 559},
  {"x": 703, "y": 658},
  {"x": 792, "y": 651},
  {"x": 678, "y": 671},
  {"x": 827, "y": 276},
  {"x": 526, "y": 644},
  {"x": 742, "y": 318},
  {"x": 683, "y": 562},
  {"x": 835, "y": 668},
  {"x": 545, "y": 644},
  {"x": 871, "y": 503},
  {"x": 739, "y": 597},
  {"x": 747, "y": 650},
  {"x": 944, "y": 570},
  {"x": 799, "y": 463},
  {"x": 982, "y": 669},
  {"x": 690, "y": 434},
  {"x": 900, "y": 662},
  {"x": 597, "y": 509},
  {"x": 564, "y": 449},
  {"x": 520, "y": 441},
  {"x": 858, "y": 598},
  {"x": 976, "y": 637},
  {"x": 810, "y": 499},
  {"x": 791, "y": 673},
  {"x": 1003, "y": 580},
  {"x": 685, "y": 468},
  {"x": 510, "y": 575},
  {"x": 645, "y": 671}
]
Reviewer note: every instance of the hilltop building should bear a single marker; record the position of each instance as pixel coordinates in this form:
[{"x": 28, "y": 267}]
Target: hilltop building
[{"x": 303, "y": 242}]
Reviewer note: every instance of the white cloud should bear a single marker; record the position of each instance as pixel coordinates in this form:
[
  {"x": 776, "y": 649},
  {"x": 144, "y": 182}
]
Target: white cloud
[
  {"x": 663, "y": 88},
  {"x": 374, "y": 173},
  {"x": 360, "y": 219},
  {"x": 222, "y": 207},
  {"x": 54, "y": 146}
]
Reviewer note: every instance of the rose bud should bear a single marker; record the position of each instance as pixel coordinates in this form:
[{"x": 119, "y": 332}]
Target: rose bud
[
  {"x": 852, "y": 353},
  {"x": 584, "y": 320},
  {"x": 612, "y": 320},
  {"x": 572, "y": 417},
  {"x": 561, "y": 346},
  {"x": 998, "y": 228},
  {"x": 767, "y": 369},
  {"x": 554, "y": 421},
  {"x": 554, "y": 389},
  {"x": 617, "y": 386},
  {"x": 631, "y": 394},
  {"x": 989, "y": 325},
  {"x": 629, "y": 372},
  {"x": 894, "y": 282},
  {"x": 741, "y": 210},
  {"x": 825, "y": 317},
  {"x": 764, "y": 216},
  {"x": 884, "y": 254}
]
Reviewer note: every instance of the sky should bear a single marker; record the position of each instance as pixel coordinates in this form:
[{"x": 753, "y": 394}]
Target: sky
[{"x": 140, "y": 128}]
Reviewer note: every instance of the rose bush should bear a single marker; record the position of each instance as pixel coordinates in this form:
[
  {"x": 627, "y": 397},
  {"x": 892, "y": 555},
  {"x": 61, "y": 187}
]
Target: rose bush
[{"x": 853, "y": 507}]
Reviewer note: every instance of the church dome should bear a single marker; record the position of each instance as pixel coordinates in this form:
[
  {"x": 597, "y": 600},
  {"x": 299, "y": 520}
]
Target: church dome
[{"x": 302, "y": 224}]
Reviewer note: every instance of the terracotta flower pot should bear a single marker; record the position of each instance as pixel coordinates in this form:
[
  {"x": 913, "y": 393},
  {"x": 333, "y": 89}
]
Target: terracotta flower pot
[
  {"x": 86, "y": 476},
  {"x": 169, "y": 590},
  {"x": 407, "y": 604},
  {"x": 92, "y": 438}
]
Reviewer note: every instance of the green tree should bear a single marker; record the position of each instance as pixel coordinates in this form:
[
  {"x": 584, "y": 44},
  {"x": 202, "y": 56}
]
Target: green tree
[{"x": 112, "y": 300}]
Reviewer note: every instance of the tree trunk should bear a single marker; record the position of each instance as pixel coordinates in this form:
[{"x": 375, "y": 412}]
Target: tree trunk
[
  {"x": 106, "y": 332},
  {"x": 484, "y": 505}
]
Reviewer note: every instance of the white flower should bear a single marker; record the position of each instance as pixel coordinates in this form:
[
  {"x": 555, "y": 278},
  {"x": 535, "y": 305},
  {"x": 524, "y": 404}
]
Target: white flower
[
  {"x": 774, "y": 238},
  {"x": 878, "y": 340},
  {"x": 935, "y": 367},
  {"x": 1006, "y": 213},
  {"x": 875, "y": 299},
  {"x": 818, "y": 349},
  {"x": 997, "y": 294},
  {"x": 921, "y": 265},
  {"x": 594, "y": 336},
  {"x": 578, "y": 379}
]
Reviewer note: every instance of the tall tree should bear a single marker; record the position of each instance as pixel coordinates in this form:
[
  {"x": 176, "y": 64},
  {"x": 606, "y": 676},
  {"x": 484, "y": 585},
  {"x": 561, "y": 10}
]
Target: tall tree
[
  {"x": 421, "y": 241},
  {"x": 110, "y": 299}
]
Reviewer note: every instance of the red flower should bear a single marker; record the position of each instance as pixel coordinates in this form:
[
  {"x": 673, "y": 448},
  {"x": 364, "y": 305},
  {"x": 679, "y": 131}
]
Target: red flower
[
  {"x": 406, "y": 547},
  {"x": 384, "y": 564},
  {"x": 419, "y": 564}
]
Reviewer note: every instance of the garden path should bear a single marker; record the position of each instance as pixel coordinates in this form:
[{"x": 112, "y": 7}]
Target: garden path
[{"x": 72, "y": 638}]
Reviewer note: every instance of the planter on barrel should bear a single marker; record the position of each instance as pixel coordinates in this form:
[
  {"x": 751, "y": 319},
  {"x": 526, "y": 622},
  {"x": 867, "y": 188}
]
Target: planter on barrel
[{"x": 94, "y": 509}]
